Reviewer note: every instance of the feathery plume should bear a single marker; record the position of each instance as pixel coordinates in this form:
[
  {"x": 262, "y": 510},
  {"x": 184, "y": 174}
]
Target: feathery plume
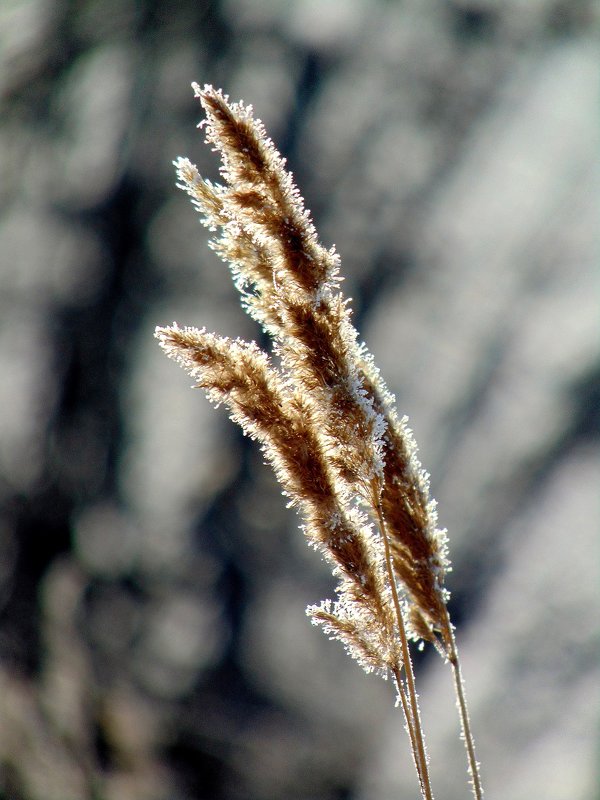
[{"x": 324, "y": 417}]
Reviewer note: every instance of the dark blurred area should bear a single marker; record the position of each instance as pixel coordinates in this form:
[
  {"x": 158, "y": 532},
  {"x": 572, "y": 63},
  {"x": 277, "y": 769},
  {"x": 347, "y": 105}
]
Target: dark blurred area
[{"x": 153, "y": 642}]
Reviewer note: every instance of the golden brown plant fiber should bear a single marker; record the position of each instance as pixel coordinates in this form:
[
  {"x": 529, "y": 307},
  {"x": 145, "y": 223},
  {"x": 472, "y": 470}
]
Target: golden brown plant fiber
[{"x": 321, "y": 413}]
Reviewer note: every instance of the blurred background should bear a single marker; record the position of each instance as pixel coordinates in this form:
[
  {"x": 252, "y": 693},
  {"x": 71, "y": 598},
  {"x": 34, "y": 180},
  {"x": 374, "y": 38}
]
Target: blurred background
[{"x": 153, "y": 641}]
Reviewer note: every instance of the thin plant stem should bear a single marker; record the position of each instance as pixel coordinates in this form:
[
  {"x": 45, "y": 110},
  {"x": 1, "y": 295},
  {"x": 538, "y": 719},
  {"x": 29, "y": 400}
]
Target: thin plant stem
[
  {"x": 406, "y": 709},
  {"x": 465, "y": 722},
  {"x": 414, "y": 721}
]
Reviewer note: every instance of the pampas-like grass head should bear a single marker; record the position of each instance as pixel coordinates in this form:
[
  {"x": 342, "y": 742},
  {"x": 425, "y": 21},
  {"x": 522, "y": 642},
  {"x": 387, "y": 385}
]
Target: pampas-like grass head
[{"x": 322, "y": 414}]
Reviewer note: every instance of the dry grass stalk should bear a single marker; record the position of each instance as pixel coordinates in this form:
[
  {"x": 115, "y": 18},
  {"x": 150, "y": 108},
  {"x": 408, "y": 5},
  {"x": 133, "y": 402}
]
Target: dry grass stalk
[{"x": 323, "y": 416}]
